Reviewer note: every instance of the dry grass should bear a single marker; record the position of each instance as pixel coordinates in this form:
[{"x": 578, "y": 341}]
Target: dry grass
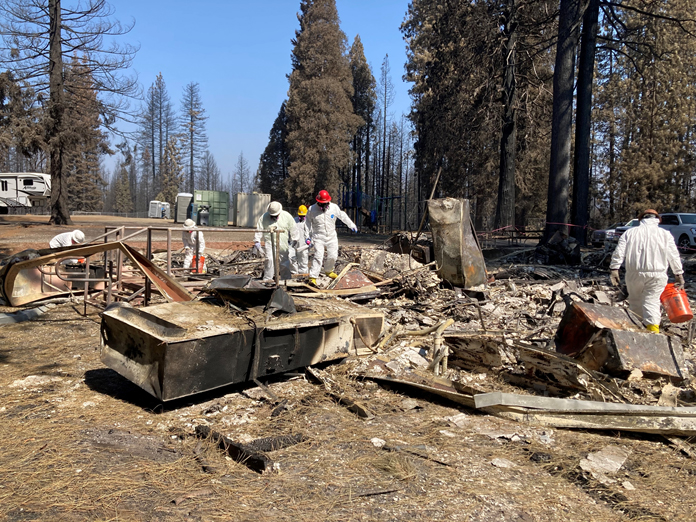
[{"x": 81, "y": 443}]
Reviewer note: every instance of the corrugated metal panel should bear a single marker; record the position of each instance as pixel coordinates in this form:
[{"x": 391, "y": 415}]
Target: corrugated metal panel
[
  {"x": 219, "y": 203},
  {"x": 248, "y": 208}
]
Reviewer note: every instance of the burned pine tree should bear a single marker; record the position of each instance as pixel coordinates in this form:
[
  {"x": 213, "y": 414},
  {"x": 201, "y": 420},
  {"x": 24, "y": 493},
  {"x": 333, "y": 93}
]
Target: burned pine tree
[
  {"x": 36, "y": 38},
  {"x": 321, "y": 121}
]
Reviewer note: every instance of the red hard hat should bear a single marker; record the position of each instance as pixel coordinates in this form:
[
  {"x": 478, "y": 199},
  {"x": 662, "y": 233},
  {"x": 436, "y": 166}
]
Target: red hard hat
[{"x": 323, "y": 197}]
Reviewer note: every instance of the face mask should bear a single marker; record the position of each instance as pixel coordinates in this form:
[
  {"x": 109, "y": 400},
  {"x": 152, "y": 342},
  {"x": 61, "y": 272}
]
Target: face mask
[
  {"x": 275, "y": 218},
  {"x": 301, "y": 218},
  {"x": 323, "y": 206}
]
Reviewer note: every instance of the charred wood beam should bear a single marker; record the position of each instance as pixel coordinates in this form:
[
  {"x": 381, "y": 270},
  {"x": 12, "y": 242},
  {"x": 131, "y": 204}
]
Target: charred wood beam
[{"x": 241, "y": 453}]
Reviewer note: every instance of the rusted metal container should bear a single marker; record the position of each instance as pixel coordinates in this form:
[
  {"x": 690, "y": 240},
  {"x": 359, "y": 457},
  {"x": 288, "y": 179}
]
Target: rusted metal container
[
  {"x": 457, "y": 250},
  {"x": 177, "y": 349},
  {"x": 613, "y": 340}
]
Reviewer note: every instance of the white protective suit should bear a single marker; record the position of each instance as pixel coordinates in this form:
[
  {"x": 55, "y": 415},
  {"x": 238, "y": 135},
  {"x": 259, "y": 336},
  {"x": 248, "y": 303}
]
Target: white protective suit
[
  {"x": 299, "y": 261},
  {"x": 189, "y": 237},
  {"x": 61, "y": 240},
  {"x": 648, "y": 250},
  {"x": 322, "y": 231},
  {"x": 284, "y": 222}
]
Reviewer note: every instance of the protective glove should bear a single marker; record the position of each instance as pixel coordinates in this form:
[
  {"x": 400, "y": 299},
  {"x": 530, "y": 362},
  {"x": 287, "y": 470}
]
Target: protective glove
[
  {"x": 273, "y": 228},
  {"x": 354, "y": 230},
  {"x": 294, "y": 244},
  {"x": 258, "y": 248},
  {"x": 614, "y": 277},
  {"x": 679, "y": 281}
]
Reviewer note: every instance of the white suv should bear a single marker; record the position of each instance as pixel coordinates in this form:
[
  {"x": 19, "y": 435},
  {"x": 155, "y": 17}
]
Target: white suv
[{"x": 682, "y": 226}]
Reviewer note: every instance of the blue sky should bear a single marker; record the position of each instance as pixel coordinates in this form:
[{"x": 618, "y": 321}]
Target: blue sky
[{"x": 239, "y": 53}]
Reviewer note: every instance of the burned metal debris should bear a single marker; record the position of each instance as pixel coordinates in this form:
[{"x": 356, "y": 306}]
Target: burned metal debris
[{"x": 177, "y": 349}]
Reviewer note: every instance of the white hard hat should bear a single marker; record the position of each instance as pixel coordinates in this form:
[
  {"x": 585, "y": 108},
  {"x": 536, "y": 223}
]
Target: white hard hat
[
  {"x": 78, "y": 236},
  {"x": 274, "y": 208},
  {"x": 189, "y": 223}
]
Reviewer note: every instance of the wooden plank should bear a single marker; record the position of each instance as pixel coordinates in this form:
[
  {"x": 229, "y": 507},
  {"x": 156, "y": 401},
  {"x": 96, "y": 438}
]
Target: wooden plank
[
  {"x": 662, "y": 425},
  {"x": 441, "y": 387},
  {"x": 555, "y": 405},
  {"x": 318, "y": 292}
]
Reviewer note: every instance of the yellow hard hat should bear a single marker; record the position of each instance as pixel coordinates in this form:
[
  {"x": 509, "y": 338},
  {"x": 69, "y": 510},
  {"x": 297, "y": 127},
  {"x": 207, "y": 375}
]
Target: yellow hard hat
[{"x": 302, "y": 211}]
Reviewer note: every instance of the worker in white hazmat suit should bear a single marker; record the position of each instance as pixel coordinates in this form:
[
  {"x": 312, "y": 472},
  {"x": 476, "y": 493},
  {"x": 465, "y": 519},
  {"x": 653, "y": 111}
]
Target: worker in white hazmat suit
[
  {"x": 648, "y": 251},
  {"x": 275, "y": 218},
  {"x": 299, "y": 251},
  {"x": 67, "y": 239},
  {"x": 190, "y": 237},
  {"x": 321, "y": 224}
]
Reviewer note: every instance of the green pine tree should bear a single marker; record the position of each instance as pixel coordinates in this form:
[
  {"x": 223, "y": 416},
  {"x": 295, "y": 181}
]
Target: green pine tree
[{"x": 321, "y": 122}]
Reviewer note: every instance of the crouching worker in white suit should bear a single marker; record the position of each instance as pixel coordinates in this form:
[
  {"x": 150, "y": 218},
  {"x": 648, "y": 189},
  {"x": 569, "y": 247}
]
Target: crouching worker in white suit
[
  {"x": 648, "y": 251},
  {"x": 321, "y": 223},
  {"x": 275, "y": 218},
  {"x": 190, "y": 236},
  {"x": 65, "y": 239}
]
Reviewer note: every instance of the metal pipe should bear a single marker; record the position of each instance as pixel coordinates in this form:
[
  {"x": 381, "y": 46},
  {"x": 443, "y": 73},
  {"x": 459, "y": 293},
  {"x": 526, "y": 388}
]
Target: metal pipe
[
  {"x": 275, "y": 238},
  {"x": 198, "y": 251},
  {"x": 148, "y": 253},
  {"x": 86, "y": 284},
  {"x": 169, "y": 251}
]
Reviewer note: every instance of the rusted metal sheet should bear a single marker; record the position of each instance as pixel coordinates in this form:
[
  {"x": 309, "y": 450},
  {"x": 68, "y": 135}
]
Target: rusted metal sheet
[
  {"x": 612, "y": 340},
  {"x": 34, "y": 278},
  {"x": 583, "y": 320},
  {"x": 353, "y": 279},
  {"x": 177, "y": 349},
  {"x": 621, "y": 351},
  {"x": 457, "y": 251}
]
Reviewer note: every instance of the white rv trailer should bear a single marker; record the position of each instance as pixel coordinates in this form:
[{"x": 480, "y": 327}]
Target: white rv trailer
[{"x": 24, "y": 191}]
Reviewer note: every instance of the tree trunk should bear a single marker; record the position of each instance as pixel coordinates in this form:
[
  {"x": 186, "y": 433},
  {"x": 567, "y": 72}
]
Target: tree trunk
[
  {"x": 191, "y": 171},
  {"x": 60, "y": 213},
  {"x": 562, "y": 119},
  {"x": 505, "y": 212},
  {"x": 583, "y": 121}
]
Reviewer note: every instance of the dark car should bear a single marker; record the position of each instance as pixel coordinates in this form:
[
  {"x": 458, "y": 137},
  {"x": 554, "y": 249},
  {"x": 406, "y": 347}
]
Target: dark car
[
  {"x": 599, "y": 236},
  {"x": 620, "y": 230}
]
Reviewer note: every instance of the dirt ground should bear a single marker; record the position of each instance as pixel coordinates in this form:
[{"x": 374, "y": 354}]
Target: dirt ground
[
  {"x": 79, "y": 442},
  {"x": 19, "y": 233}
]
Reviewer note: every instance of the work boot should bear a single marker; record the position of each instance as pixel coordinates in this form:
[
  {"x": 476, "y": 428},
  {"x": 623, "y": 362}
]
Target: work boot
[
  {"x": 654, "y": 328},
  {"x": 332, "y": 275},
  {"x": 313, "y": 281}
]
